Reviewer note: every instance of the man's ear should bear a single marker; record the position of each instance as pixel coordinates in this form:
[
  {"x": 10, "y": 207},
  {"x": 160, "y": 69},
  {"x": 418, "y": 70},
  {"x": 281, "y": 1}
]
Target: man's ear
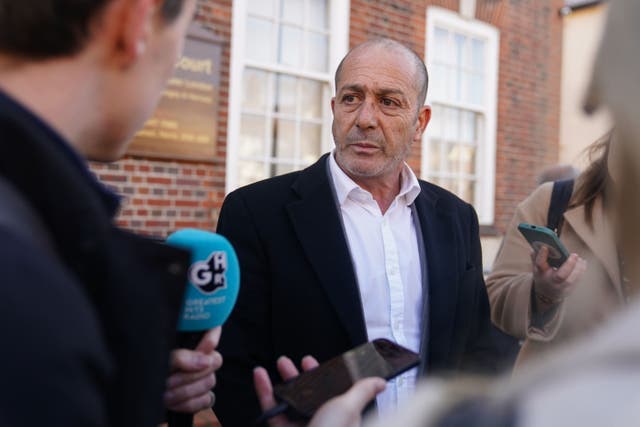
[
  {"x": 424, "y": 115},
  {"x": 128, "y": 25}
]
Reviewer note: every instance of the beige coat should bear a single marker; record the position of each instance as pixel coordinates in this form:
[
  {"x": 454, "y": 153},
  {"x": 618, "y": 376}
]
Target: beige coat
[{"x": 595, "y": 296}]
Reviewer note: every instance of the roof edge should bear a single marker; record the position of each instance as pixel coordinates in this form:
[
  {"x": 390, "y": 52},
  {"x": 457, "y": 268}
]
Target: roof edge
[{"x": 570, "y": 7}]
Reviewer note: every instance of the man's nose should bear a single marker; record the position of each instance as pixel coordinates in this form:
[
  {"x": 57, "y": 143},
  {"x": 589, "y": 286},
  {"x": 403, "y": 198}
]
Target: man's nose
[{"x": 367, "y": 118}]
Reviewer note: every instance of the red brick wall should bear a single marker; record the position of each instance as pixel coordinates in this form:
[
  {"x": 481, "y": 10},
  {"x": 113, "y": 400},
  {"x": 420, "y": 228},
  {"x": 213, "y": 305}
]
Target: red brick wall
[
  {"x": 528, "y": 82},
  {"x": 162, "y": 196},
  {"x": 529, "y": 99}
]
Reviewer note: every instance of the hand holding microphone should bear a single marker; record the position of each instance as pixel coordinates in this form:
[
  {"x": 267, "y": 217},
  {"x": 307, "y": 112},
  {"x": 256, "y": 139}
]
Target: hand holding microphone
[
  {"x": 193, "y": 375},
  {"x": 212, "y": 290}
]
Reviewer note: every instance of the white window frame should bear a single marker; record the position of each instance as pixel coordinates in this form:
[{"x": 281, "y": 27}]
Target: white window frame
[
  {"x": 338, "y": 47},
  {"x": 486, "y": 158}
]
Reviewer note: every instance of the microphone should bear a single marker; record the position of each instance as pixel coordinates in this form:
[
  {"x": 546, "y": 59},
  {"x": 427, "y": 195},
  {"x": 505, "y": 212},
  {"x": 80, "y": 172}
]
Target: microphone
[{"x": 212, "y": 290}]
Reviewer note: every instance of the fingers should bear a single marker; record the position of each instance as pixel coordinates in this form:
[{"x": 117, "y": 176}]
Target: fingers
[
  {"x": 286, "y": 368},
  {"x": 308, "y": 363},
  {"x": 264, "y": 388},
  {"x": 362, "y": 392},
  {"x": 574, "y": 276},
  {"x": 180, "y": 378},
  {"x": 557, "y": 284},
  {"x": 344, "y": 410},
  {"x": 191, "y": 396},
  {"x": 191, "y": 361},
  {"x": 565, "y": 270},
  {"x": 541, "y": 259},
  {"x": 264, "y": 392},
  {"x": 189, "y": 386},
  {"x": 210, "y": 340},
  {"x": 203, "y": 401}
]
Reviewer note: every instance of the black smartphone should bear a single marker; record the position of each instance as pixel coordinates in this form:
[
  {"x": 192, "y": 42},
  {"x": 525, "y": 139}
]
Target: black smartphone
[
  {"x": 539, "y": 236},
  {"x": 379, "y": 358}
]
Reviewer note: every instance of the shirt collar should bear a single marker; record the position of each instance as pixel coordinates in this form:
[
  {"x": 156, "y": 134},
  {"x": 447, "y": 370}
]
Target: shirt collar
[{"x": 345, "y": 186}]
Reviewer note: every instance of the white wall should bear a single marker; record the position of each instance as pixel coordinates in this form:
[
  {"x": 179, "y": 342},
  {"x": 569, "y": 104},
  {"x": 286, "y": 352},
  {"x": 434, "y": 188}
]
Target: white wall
[{"x": 582, "y": 31}]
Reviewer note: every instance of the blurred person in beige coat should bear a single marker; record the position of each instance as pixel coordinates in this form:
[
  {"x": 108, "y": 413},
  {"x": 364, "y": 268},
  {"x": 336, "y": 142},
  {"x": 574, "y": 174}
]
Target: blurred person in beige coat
[{"x": 545, "y": 306}]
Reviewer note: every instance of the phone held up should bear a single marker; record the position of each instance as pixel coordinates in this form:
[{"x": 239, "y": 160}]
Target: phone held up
[
  {"x": 304, "y": 394},
  {"x": 539, "y": 236}
]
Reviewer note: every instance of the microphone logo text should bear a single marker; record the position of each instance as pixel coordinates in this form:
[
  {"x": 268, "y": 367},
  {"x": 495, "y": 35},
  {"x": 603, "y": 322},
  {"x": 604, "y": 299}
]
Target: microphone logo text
[{"x": 209, "y": 276}]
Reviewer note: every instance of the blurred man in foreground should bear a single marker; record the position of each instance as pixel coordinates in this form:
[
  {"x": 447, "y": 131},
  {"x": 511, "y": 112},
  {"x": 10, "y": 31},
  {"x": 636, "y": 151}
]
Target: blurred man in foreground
[{"x": 88, "y": 311}]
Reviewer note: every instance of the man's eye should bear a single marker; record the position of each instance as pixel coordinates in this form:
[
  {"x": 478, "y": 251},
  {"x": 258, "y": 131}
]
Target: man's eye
[
  {"x": 348, "y": 98},
  {"x": 387, "y": 102}
]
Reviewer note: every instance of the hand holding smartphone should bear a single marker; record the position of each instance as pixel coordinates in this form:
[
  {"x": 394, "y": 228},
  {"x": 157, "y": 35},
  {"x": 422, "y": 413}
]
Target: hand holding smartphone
[
  {"x": 306, "y": 393},
  {"x": 539, "y": 236}
]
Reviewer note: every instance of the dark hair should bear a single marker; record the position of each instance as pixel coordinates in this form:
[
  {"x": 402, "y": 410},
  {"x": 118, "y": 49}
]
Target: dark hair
[
  {"x": 595, "y": 181},
  {"x": 39, "y": 29},
  {"x": 421, "y": 69}
]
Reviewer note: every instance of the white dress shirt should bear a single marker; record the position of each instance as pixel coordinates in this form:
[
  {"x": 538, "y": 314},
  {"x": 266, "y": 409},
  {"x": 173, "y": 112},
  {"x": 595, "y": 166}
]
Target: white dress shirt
[{"x": 384, "y": 249}]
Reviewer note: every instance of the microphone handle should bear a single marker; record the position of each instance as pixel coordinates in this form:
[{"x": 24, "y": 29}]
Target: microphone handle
[{"x": 188, "y": 340}]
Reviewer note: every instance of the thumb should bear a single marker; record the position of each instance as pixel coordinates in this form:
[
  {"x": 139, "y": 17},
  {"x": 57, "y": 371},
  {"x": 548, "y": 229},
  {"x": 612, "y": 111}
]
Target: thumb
[
  {"x": 363, "y": 391},
  {"x": 209, "y": 341}
]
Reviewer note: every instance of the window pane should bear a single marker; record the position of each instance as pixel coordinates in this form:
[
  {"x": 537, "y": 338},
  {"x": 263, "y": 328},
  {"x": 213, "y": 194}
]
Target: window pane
[
  {"x": 282, "y": 169},
  {"x": 467, "y": 160},
  {"x": 452, "y": 157},
  {"x": 292, "y": 11},
  {"x": 259, "y": 37},
  {"x": 442, "y": 52},
  {"x": 479, "y": 129},
  {"x": 451, "y": 124},
  {"x": 291, "y": 51},
  {"x": 445, "y": 183},
  {"x": 310, "y": 142},
  {"x": 476, "y": 89},
  {"x": 318, "y": 51},
  {"x": 466, "y": 190},
  {"x": 434, "y": 128},
  {"x": 254, "y": 91},
  {"x": 477, "y": 54},
  {"x": 311, "y": 99},
  {"x": 467, "y": 127},
  {"x": 318, "y": 14},
  {"x": 260, "y": 7},
  {"x": 434, "y": 157},
  {"x": 464, "y": 86},
  {"x": 286, "y": 94},
  {"x": 454, "y": 92},
  {"x": 460, "y": 159},
  {"x": 439, "y": 81},
  {"x": 284, "y": 138},
  {"x": 252, "y": 135},
  {"x": 459, "y": 42},
  {"x": 249, "y": 172}
]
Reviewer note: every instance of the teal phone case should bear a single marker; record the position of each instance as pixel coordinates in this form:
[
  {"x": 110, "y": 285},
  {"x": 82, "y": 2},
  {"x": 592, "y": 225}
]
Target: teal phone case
[{"x": 539, "y": 236}]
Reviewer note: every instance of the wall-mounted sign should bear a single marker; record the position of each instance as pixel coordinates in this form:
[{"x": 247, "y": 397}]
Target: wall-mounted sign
[{"x": 184, "y": 125}]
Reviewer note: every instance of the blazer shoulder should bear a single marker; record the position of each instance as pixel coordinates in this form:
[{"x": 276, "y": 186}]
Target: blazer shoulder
[
  {"x": 267, "y": 189},
  {"x": 281, "y": 188}
]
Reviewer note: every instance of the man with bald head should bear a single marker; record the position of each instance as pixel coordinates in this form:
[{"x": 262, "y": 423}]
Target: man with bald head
[{"x": 355, "y": 247}]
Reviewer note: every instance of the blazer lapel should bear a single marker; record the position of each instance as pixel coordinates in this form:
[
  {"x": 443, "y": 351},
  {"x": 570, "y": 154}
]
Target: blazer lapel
[
  {"x": 602, "y": 245},
  {"x": 317, "y": 224},
  {"x": 440, "y": 290}
]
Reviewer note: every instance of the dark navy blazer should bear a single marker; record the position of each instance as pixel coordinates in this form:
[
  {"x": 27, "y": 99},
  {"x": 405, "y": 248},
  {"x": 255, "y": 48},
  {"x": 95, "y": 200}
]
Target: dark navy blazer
[{"x": 299, "y": 293}]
